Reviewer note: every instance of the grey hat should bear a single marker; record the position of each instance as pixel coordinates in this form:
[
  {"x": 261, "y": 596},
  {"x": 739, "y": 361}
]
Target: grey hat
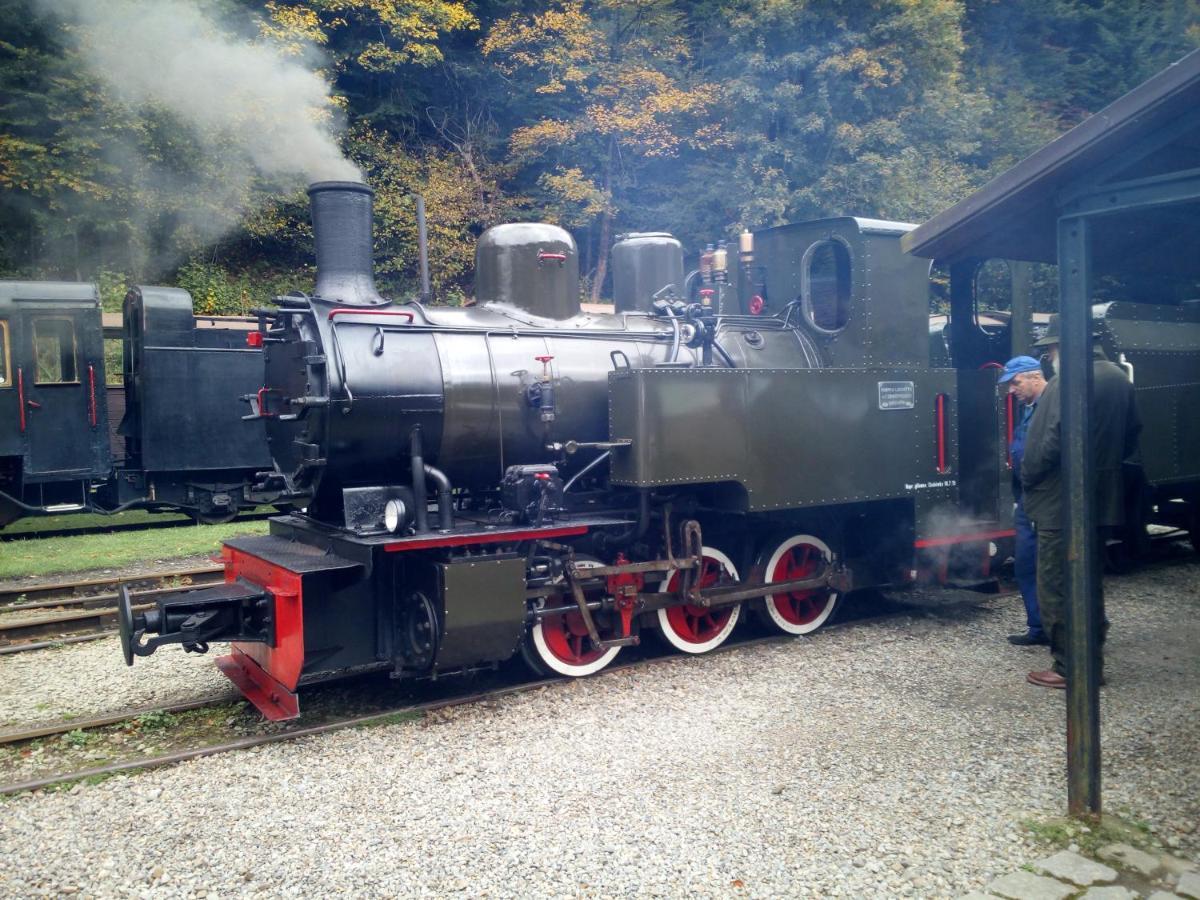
[
  {"x": 1051, "y": 337},
  {"x": 1053, "y": 333}
]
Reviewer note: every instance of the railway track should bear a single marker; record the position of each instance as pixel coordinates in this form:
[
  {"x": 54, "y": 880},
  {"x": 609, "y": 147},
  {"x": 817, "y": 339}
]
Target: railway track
[
  {"x": 83, "y": 609},
  {"x": 374, "y": 717},
  {"x": 883, "y": 609}
]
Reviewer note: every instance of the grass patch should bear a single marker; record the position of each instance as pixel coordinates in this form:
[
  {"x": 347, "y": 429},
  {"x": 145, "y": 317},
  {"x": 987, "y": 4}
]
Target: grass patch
[
  {"x": 397, "y": 718},
  {"x": 48, "y": 556},
  {"x": 59, "y": 787},
  {"x": 1091, "y": 836},
  {"x": 37, "y": 524},
  {"x": 155, "y": 721}
]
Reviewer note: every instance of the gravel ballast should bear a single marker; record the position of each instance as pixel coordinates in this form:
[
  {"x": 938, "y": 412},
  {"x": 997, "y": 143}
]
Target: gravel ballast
[{"x": 886, "y": 758}]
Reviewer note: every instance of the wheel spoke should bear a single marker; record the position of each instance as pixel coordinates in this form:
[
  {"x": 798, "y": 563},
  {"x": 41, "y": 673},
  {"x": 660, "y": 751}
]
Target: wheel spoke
[
  {"x": 799, "y": 611},
  {"x": 693, "y": 628}
]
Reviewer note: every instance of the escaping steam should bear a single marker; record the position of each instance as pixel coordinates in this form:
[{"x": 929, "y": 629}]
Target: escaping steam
[{"x": 235, "y": 95}]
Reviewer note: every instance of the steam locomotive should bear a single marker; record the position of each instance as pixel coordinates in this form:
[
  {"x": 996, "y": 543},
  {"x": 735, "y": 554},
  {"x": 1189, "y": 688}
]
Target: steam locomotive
[{"x": 524, "y": 477}]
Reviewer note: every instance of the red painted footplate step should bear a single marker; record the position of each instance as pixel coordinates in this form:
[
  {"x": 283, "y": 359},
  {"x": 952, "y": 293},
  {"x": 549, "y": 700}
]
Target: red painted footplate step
[{"x": 270, "y": 697}]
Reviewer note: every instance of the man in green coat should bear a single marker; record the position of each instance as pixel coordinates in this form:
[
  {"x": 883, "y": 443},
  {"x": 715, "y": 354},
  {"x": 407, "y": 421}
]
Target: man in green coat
[{"x": 1112, "y": 440}]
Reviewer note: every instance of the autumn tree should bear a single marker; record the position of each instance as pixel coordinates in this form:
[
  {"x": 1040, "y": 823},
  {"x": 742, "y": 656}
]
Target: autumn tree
[{"x": 610, "y": 88}]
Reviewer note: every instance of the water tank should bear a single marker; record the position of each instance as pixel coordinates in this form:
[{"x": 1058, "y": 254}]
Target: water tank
[
  {"x": 530, "y": 265},
  {"x": 643, "y": 264}
]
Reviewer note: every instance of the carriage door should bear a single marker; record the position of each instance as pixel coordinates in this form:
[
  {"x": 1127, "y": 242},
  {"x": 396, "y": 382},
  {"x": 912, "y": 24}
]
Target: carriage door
[{"x": 59, "y": 410}]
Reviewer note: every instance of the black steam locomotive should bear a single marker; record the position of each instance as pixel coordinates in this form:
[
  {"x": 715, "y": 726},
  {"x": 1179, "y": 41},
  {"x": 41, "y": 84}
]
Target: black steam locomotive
[
  {"x": 526, "y": 477},
  {"x": 170, "y": 437}
]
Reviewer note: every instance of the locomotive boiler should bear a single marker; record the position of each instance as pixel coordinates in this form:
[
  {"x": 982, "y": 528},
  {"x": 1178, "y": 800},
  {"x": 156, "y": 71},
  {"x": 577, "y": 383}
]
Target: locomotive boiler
[{"x": 522, "y": 476}]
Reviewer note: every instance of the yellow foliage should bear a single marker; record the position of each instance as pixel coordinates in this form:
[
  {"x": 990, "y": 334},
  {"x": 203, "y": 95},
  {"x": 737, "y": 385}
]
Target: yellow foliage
[
  {"x": 532, "y": 139},
  {"x": 611, "y": 66},
  {"x": 578, "y": 197},
  {"x": 562, "y": 42},
  {"x": 408, "y": 29},
  {"x": 291, "y": 27}
]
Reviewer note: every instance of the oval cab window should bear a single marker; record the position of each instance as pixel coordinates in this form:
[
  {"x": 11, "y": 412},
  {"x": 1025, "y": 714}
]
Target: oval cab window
[{"x": 826, "y": 285}]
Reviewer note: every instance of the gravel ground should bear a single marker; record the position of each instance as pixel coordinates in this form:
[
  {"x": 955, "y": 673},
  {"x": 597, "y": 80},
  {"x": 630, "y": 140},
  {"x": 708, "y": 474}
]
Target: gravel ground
[
  {"x": 90, "y": 678},
  {"x": 889, "y": 758}
]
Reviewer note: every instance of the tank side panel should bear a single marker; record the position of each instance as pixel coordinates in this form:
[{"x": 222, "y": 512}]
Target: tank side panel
[
  {"x": 191, "y": 409},
  {"x": 792, "y": 438}
]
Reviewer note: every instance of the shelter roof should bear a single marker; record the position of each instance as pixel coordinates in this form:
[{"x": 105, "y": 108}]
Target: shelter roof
[{"x": 1151, "y": 131}]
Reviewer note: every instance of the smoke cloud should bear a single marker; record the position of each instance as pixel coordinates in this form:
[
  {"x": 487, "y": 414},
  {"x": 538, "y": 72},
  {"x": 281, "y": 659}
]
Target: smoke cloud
[{"x": 240, "y": 95}]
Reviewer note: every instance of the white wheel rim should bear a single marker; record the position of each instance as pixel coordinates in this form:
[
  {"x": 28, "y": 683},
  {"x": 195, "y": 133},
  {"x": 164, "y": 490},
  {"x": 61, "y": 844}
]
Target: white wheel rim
[
  {"x": 779, "y": 620},
  {"x": 554, "y": 662},
  {"x": 678, "y": 641}
]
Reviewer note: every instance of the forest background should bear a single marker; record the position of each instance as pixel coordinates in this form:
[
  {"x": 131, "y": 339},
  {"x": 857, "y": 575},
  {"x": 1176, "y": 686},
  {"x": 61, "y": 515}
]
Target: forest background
[{"x": 699, "y": 118}]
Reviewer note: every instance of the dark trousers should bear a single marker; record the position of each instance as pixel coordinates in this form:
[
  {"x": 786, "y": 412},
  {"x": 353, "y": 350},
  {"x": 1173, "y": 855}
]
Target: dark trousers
[
  {"x": 1025, "y": 554},
  {"x": 1052, "y": 587}
]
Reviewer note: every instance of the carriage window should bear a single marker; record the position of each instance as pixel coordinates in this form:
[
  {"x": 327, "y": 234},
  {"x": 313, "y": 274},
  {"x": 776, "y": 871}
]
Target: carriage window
[
  {"x": 826, "y": 285},
  {"x": 54, "y": 346},
  {"x": 993, "y": 296},
  {"x": 5, "y": 369}
]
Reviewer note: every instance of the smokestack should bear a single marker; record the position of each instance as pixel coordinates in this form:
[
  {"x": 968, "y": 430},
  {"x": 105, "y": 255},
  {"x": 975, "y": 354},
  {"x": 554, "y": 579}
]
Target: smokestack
[{"x": 341, "y": 215}]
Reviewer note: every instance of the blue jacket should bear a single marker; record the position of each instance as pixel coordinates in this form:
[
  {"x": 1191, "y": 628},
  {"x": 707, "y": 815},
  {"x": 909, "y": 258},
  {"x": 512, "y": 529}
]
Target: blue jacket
[{"x": 1016, "y": 449}]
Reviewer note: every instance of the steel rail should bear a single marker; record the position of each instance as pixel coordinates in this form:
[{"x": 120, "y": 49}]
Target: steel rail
[
  {"x": 70, "y": 588},
  {"x": 97, "y": 601},
  {"x": 51, "y": 729},
  {"x": 92, "y": 620}
]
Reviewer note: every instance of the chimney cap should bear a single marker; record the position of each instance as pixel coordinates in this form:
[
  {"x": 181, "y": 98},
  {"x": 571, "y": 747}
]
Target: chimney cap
[{"x": 359, "y": 186}]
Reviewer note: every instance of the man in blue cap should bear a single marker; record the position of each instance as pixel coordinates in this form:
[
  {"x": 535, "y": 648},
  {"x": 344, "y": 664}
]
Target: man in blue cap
[{"x": 1023, "y": 375}]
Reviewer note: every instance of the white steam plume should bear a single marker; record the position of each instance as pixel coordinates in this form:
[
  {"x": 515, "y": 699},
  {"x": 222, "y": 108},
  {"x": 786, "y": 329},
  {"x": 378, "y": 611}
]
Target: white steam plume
[{"x": 236, "y": 95}]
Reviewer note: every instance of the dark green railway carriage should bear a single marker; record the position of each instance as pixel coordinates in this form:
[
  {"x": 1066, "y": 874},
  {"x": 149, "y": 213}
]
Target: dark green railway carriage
[{"x": 171, "y": 437}]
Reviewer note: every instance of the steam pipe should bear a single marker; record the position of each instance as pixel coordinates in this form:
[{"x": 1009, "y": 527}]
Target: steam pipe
[
  {"x": 725, "y": 356},
  {"x": 423, "y": 251},
  {"x": 674, "y": 356},
  {"x": 418, "y": 481},
  {"x": 595, "y": 462},
  {"x": 445, "y": 511},
  {"x": 633, "y": 532}
]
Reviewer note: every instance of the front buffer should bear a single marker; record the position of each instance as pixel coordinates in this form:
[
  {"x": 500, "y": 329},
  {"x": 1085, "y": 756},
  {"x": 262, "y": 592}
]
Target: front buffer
[{"x": 261, "y": 610}]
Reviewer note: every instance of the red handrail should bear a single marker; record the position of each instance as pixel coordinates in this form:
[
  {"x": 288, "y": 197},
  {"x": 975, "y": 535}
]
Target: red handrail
[
  {"x": 21, "y": 398},
  {"x": 940, "y": 411},
  {"x": 1010, "y": 425},
  {"x": 92, "y": 395}
]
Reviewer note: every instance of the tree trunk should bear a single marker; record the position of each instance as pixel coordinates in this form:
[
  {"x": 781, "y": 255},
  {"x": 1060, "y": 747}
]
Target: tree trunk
[
  {"x": 602, "y": 255},
  {"x": 605, "y": 224}
]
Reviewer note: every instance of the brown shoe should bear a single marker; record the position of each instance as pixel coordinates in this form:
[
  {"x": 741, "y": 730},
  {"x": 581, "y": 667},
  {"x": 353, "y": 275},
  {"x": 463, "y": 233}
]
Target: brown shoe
[{"x": 1048, "y": 679}]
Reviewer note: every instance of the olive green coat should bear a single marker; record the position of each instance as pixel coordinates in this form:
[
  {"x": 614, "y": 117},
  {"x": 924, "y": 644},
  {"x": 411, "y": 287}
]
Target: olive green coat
[{"x": 1114, "y": 433}]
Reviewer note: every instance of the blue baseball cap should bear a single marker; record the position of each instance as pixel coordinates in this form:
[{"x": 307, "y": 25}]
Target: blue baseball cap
[{"x": 1018, "y": 365}]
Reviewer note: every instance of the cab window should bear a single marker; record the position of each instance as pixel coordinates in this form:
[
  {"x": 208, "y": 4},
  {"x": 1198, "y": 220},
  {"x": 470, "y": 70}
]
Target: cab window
[
  {"x": 54, "y": 349},
  {"x": 993, "y": 290},
  {"x": 5, "y": 367},
  {"x": 826, "y": 285}
]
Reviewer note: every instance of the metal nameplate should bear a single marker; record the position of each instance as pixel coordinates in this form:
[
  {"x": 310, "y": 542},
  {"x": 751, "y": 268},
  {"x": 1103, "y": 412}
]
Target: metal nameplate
[{"x": 897, "y": 395}]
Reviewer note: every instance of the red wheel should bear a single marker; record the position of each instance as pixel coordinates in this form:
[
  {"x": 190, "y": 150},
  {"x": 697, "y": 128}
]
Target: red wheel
[
  {"x": 798, "y": 612},
  {"x": 696, "y": 629},
  {"x": 561, "y": 644}
]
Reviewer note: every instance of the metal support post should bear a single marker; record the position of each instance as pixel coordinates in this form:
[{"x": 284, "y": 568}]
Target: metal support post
[{"x": 1083, "y": 626}]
